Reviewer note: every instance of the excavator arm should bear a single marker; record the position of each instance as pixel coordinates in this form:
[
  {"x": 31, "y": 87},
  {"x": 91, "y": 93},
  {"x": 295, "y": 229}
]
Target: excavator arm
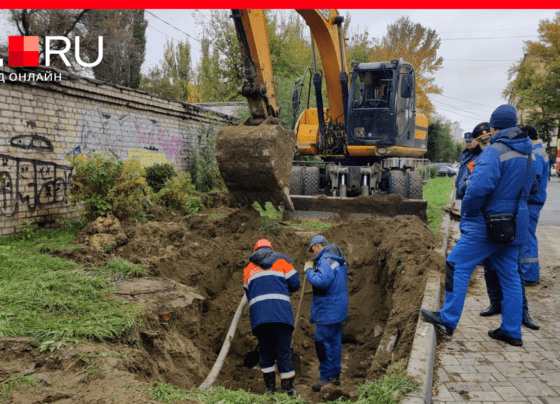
[{"x": 255, "y": 157}]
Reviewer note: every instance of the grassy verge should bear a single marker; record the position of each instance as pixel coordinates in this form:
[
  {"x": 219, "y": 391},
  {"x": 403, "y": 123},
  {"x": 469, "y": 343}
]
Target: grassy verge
[
  {"x": 437, "y": 194},
  {"x": 55, "y": 300},
  {"x": 390, "y": 389}
]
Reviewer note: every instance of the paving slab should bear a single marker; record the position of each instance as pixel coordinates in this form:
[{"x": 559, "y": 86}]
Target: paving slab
[{"x": 471, "y": 367}]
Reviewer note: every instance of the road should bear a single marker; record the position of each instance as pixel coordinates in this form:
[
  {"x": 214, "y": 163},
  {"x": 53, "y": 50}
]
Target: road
[{"x": 550, "y": 214}]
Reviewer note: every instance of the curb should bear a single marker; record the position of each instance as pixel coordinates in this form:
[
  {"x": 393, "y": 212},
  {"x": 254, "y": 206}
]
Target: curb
[{"x": 423, "y": 354}]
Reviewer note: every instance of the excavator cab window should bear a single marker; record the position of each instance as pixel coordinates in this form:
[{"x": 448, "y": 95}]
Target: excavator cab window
[
  {"x": 372, "y": 90},
  {"x": 405, "y": 102}
]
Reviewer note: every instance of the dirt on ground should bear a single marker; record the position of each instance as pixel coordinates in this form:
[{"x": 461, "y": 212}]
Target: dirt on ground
[{"x": 187, "y": 320}]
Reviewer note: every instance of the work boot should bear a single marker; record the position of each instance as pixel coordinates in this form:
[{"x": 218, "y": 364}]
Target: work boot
[
  {"x": 531, "y": 283},
  {"x": 269, "y": 382},
  {"x": 529, "y": 322},
  {"x": 497, "y": 334},
  {"x": 322, "y": 382},
  {"x": 288, "y": 386},
  {"x": 491, "y": 310},
  {"x": 433, "y": 317}
]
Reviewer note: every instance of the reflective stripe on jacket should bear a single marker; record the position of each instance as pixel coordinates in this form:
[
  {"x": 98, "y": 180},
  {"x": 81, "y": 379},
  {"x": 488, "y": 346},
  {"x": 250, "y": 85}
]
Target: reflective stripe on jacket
[
  {"x": 543, "y": 171},
  {"x": 269, "y": 279},
  {"x": 495, "y": 184}
]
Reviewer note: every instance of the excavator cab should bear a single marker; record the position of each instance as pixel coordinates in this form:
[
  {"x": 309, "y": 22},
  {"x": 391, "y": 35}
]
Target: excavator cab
[{"x": 381, "y": 110}]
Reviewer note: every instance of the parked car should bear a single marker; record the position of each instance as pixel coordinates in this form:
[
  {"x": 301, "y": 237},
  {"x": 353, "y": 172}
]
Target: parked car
[{"x": 445, "y": 169}]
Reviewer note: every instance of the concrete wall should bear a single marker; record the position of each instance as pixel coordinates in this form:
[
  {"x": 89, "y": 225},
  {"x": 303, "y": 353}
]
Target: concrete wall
[{"x": 42, "y": 122}]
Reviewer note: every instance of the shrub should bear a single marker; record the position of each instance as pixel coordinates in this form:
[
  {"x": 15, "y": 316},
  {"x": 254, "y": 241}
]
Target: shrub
[
  {"x": 176, "y": 194},
  {"x": 158, "y": 174},
  {"x": 106, "y": 185},
  {"x": 204, "y": 168}
]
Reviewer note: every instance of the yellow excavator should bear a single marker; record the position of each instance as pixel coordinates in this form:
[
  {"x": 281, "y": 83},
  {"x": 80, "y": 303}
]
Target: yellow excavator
[{"x": 369, "y": 138}]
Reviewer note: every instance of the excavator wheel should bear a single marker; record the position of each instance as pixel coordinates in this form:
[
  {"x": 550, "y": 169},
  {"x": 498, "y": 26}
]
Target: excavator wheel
[
  {"x": 311, "y": 181},
  {"x": 256, "y": 162},
  {"x": 413, "y": 185},
  {"x": 296, "y": 180},
  {"x": 396, "y": 182}
]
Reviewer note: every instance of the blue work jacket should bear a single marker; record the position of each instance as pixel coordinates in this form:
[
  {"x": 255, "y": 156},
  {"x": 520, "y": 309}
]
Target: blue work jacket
[
  {"x": 495, "y": 184},
  {"x": 330, "y": 297}
]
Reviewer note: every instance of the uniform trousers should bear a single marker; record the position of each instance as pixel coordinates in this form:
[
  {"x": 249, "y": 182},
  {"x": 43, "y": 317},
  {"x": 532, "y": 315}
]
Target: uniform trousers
[
  {"x": 275, "y": 340},
  {"x": 461, "y": 263}
]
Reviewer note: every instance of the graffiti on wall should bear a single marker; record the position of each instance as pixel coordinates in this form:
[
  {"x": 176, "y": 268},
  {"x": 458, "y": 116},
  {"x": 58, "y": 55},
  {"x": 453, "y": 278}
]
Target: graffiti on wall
[
  {"x": 100, "y": 132},
  {"x": 32, "y": 184}
]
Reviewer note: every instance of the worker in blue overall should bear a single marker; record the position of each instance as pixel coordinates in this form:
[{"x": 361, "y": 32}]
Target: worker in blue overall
[
  {"x": 500, "y": 183},
  {"x": 329, "y": 307},
  {"x": 528, "y": 256}
]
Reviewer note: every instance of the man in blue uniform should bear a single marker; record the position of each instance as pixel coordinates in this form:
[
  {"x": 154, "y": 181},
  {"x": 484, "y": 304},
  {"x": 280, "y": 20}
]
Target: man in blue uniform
[
  {"x": 476, "y": 140},
  {"x": 530, "y": 268},
  {"x": 269, "y": 279},
  {"x": 329, "y": 307},
  {"x": 530, "y": 248},
  {"x": 499, "y": 184}
]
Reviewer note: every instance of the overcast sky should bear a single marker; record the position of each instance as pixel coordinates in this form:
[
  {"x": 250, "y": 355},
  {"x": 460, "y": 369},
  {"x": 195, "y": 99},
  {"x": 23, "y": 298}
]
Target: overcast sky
[{"x": 477, "y": 46}]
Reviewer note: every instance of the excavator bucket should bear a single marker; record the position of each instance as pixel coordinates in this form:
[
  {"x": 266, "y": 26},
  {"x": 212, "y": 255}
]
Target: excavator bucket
[
  {"x": 326, "y": 208},
  {"x": 256, "y": 161}
]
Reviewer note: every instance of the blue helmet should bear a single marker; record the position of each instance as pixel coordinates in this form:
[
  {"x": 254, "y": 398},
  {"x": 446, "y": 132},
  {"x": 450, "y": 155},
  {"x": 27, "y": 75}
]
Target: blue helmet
[
  {"x": 317, "y": 240},
  {"x": 468, "y": 137}
]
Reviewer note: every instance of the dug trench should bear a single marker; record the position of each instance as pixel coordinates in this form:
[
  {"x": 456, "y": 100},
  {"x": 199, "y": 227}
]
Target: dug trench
[{"x": 184, "y": 327}]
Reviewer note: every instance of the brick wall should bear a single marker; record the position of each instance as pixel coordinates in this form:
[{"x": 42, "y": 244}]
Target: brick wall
[{"x": 42, "y": 122}]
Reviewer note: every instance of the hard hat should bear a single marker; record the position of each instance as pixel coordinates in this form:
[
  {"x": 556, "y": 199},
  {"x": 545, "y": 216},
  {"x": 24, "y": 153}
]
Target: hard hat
[
  {"x": 482, "y": 130},
  {"x": 263, "y": 243},
  {"x": 317, "y": 240},
  {"x": 468, "y": 137}
]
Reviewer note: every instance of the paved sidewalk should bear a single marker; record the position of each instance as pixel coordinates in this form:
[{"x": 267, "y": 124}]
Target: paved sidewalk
[{"x": 472, "y": 367}]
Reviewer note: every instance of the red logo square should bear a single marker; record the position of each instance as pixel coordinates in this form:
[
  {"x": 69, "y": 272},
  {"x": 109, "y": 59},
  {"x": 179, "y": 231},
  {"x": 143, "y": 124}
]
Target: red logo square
[{"x": 23, "y": 50}]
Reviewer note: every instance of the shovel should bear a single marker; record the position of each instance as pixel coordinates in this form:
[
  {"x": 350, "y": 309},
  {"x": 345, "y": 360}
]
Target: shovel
[{"x": 252, "y": 358}]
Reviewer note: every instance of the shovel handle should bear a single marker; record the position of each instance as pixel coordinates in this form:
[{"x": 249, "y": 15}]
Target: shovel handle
[{"x": 299, "y": 305}]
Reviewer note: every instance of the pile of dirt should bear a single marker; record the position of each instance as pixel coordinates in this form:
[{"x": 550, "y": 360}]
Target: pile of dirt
[
  {"x": 184, "y": 328},
  {"x": 260, "y": 172}
]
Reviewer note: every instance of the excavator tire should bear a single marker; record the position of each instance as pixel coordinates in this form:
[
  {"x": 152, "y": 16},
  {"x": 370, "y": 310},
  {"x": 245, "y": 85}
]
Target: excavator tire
[
  {"x": 413, "y": 185},
  {"x": 296, "y": 181},
  {"x": 396, "y": 182},
  {"x": 256, "y": 162},
  {"x": 311, "y": 181}
]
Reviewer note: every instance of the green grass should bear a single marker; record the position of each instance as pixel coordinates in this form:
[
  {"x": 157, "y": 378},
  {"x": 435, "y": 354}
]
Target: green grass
[
  {"x": 57, "y": 301},
  {"x": 15, "y": 383},
  {"x": 390, "y": 389},
  {"x": 271, "y": 218},
  {"x": 437, "y": 194},
  {"x": 167, "y": 393},
  {"x": 118, "y": 269}
]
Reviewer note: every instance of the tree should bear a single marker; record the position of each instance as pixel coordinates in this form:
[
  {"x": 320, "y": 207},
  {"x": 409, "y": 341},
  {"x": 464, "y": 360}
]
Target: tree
[
  {"x": 123, "y": 32},
  {"x": 417, "y": 45},
  {"x": 537, "y": 80},
  {"x": 171, "y": 79},
  {"x": 440, "y": 144},
  {"x": 60, "y": 22},
  {"x": 124, "y": 45},
  {"x": 221, "y": 69}
]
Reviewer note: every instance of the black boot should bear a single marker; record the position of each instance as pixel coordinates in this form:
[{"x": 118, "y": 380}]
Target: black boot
[
  {"x": 491, "y": 310},
  {"x": 269, "y": 382},
  {"x": 529, "y": 322},
  {"x": 288, "y": 386}
]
